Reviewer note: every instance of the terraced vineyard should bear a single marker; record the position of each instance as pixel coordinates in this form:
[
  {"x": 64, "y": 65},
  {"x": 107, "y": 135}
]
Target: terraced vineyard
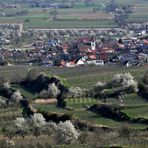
[
  {"x": 132, "y": 108},
  {"x": 128, "y": 99},
  {"x": 130, "y": 105}
]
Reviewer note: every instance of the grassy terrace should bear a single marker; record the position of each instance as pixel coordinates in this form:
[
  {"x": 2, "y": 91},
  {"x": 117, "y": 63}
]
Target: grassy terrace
[
  {"x": 137, "y": 112},
  {"x": 81, "y": 113},
  {"x": 88, "y": 76}
]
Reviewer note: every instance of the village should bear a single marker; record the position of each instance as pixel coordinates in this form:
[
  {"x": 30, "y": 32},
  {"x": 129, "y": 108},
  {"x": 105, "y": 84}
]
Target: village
[{"x": 66, "y": 48}]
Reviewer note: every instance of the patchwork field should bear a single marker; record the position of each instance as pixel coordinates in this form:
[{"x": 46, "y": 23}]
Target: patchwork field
[{"x": 81, "y": 16}]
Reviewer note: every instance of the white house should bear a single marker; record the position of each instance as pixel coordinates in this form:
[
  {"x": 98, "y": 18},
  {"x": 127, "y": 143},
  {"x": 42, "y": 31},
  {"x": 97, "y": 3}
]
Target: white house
[{"x": 80, "y": 62}]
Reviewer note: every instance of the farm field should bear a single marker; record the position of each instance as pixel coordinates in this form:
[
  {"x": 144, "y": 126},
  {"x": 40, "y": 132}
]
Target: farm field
[
  {"x": 85, "y": 76},
  {"x": 81, "y": 16}
]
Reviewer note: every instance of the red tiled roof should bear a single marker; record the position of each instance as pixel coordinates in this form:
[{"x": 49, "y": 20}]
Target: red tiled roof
[
  {"x": 85, "y": 48},
  {"x": 92, "y": 57},
  {"x": 84, "y": 39},
  {"x": 145, "y": 42},
  {"x": 106, "y": 50}
]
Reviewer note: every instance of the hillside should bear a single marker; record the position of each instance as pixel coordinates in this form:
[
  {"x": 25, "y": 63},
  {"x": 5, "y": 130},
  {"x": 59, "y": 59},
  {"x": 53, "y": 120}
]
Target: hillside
[{"x": 130, "y": 115}]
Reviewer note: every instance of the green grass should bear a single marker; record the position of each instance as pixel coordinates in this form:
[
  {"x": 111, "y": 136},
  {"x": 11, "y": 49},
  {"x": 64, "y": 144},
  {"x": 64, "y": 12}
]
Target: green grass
[
  {"x": 77, "y": 104},
  {"x": 132, "y": 109},
  {"x": 88, "y": 76},
  {"x": 138, "y": 17},
  {"x": 24, "y": 92},
  {"x": 96, "y": 119},
  {"x": 42, "y": 19},
  {"x": 137, "y": 112},
  {"x": 49, "y": 24},
  {"x": 85, "y": 77},
  {"x": 89, "y": 116},
  {"x": 83, "y": 6},
  {"x": 128, "y": 100}
]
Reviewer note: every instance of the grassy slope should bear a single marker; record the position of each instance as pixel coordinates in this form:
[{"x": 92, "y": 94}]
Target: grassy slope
[
  {"x": 81, "y": 76},
  {"x": 83, "y": 114},
  {"x": 85, "y": 77}
]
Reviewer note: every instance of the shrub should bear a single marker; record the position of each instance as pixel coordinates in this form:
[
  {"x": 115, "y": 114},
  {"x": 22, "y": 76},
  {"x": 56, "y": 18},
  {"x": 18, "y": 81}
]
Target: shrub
[
  {"x": 9, "y": 131},
  {"x": 16, "y": 96},
  {"x": 65, "y": 133},
  {"x": 124, "y": 131},
  {"x": 38, "y": 120},
  {"x": 125, "y": 81},
  {"x": 145, "y": 79},
  {"x": 76, "y": 92},
  {"x": 22, "y": 126},
  {"x": 143, "y": 86},
  {"x": 6, "y": 85},
  {"x": 21, "y": 122},
  {"x": 33, "y": 124},
  {"x": 10, "y": 143},
  {"x": 51, "y": 92},
  {"x": 3, "y": 102},
  {"x": 98, "y": 88}
]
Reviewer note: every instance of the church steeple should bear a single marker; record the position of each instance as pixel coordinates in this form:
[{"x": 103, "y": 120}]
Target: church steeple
[{"x": 93, "y": 45}]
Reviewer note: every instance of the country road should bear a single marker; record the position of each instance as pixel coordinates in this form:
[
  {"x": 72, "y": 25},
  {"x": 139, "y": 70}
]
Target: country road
[{"x": 79, "y": 29}]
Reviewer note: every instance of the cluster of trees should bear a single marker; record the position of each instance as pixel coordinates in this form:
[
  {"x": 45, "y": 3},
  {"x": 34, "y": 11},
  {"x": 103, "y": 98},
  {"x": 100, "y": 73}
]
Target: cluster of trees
[
  {"x": 120, "y": 84},
  {"x": 88, "y": 2},
  {"x": 9, "y": 96},
  {"x": 9, "y": 30},
  {"x": 17, "y": 13},
  {"x": 76, "y": 92},
  {"x": 54, "y": 13},
  {"x": 143, "y": 86},
  {"x": 51, "y": 92},
  {"x": 62, "y": 132},
  {"x": 121, "y": 12},
  {"x": 47, "y": 87},
  {"x": 14, "y": 34}
]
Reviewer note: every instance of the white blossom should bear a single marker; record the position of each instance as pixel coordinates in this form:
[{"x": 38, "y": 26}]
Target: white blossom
[
  {"x": 52, "y": 91},
  {"x": 100, "y": 84},
  {"x": 38, "y": 120},
  {"x": 126, "y": 81},
  {"x": 20, "y": 122},
  {"x": 76, "y": 92},
  {"x": 16, "y": 96},
  {"x": 10, "y": 142},
  {"x": 2, "y": 101},
  {"x": 6, "y": 85},
  {"x": 65, "y": 133}
]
